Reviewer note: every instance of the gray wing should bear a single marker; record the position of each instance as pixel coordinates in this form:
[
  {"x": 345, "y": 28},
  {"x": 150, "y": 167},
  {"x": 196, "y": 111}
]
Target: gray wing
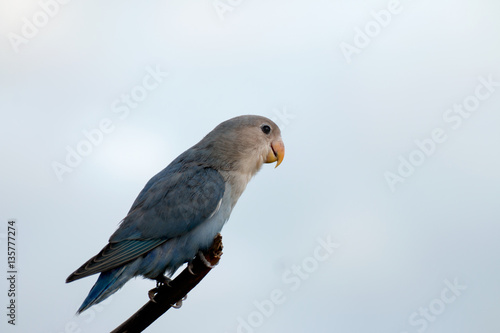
[{"x": 171, "y": 204}]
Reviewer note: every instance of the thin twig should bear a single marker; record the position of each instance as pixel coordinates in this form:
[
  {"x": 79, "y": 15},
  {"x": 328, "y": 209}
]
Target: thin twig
[{"x": 167, "y": 296}]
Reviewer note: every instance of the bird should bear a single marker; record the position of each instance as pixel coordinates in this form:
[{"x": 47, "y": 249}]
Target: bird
[{"x": 181, "y": 209}]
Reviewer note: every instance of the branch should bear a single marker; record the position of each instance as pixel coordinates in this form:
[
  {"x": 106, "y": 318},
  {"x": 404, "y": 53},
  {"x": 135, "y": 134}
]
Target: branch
[{"x": 167, "y": 296}]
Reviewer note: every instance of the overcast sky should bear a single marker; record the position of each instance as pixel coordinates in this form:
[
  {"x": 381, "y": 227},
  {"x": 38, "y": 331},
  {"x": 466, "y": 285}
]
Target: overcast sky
[{"x": 383, "y": 217}]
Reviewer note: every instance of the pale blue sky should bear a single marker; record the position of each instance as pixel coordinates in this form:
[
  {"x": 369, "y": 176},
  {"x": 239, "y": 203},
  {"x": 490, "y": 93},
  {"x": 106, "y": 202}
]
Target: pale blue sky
[{"x": 348, "y": 120}]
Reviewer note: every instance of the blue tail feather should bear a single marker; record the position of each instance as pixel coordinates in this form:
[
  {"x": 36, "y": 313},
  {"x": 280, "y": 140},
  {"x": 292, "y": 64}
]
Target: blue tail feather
[{"x": 106, "y": 285}]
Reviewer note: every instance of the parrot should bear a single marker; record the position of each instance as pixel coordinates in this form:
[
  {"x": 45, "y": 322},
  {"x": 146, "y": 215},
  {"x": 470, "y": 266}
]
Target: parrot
[{"x": 181, "y": 209}]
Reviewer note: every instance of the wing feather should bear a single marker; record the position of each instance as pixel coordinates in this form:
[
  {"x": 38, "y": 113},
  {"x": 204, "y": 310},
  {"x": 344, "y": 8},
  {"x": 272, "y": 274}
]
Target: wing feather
[
  {"x": 172, "y": 203},
  {"x": 114, "y": 255}
]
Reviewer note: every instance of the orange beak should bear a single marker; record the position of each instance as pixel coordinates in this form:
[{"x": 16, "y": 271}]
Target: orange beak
[{"x": 276, "y": 153}]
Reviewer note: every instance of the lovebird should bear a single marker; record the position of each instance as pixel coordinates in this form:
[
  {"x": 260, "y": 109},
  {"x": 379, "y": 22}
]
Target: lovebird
[{"x": 181, "y": 209}]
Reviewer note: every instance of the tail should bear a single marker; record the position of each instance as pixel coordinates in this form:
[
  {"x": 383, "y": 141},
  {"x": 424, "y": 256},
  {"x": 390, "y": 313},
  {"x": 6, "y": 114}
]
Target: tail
[{"x": 107, "y": 284}]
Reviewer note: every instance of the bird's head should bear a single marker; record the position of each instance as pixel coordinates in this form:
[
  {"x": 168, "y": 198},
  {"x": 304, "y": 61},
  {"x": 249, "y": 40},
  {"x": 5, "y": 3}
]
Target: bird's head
[{"x": 244, "y": 143}]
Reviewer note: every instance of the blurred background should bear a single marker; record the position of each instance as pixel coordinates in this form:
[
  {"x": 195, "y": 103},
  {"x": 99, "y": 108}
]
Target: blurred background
[{"x": 383, "y": 216}]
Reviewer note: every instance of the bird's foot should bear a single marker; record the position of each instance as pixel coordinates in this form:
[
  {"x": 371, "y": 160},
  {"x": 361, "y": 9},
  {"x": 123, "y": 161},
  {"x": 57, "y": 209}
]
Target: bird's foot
[
  {"x": 160, "y": 281},
  {"x": 190, "y": 268},
  {"x": 203, "y": 260},
  {"x": 179, "y": 303},
  {"x": 152, "y": 293}
]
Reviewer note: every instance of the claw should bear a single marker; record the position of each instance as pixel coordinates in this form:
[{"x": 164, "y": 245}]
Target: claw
[
  {"x": 179, "y": 303},
  {"x": 152, "y": 294},
  {"x": 190, "y": 268},
  {"x": 204, "y": 260},
  {"x": 160, "y": 281}
]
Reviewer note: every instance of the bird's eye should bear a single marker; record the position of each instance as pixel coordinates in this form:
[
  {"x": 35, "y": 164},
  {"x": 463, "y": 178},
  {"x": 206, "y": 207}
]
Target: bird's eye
[{"x": 266, "y": 129}]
